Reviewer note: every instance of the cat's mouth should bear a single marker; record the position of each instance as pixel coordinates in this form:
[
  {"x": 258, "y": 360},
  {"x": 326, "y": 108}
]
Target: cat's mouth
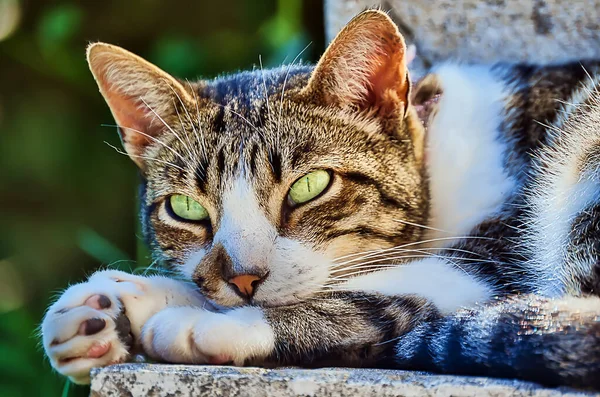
[{"x": 217, "y": 305}]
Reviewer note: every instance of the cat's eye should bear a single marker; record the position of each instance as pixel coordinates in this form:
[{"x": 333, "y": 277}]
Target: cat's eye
[
  {"x": 187, "y": 208},
  {"x": 309, "y": 187}
]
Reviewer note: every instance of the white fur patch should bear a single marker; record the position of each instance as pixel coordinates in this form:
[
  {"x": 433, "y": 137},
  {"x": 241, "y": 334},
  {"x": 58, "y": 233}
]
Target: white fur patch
[
  {"x": 194, "y": 335},
  {"x": 188, "y": 268},
  {"x": 552, "y": 227},
  {"x": 468, "y": 182},
  {"x": 140, "y": 297},
  {"x": 244, "y": 230},
  {"x": 295, "y": 271},
  {"x": 433, "y": 278},
  {"x": 563, "y": 188}
]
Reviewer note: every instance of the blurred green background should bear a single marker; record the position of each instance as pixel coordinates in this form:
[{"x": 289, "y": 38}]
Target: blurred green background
[{"x": 67, "y": 200}]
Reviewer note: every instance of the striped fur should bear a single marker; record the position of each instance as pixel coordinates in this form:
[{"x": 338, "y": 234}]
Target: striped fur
[
  {"x": 471, "y": 250},
  {"x": 554, "y": 342},
  {"x": 542, "y": 240}
]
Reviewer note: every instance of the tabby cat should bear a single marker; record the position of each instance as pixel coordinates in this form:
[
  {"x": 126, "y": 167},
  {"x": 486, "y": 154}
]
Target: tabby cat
[{"x": 337, "y": 215}]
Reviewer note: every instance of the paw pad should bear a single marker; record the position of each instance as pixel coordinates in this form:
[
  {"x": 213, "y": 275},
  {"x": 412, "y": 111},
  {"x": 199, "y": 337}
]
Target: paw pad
[
  {"x": 98, "y": 302},
  {"x": 92, "y": 326}
]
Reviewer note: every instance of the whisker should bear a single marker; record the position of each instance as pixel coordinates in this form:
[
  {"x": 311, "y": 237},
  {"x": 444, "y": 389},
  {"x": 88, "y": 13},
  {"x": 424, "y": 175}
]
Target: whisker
[
  {"x": 266, "y": 93},
  {"x": 373, "y": 265},
  {"x": 269, "y": 118},
  {"x": 414, "y": 243},
  {"x": 452, "y": 249},
  {"x": 421, "y": 226},
  {"x": 373, "y": 253},
  {"x": 154, "y": 268},
  {"x": 168, "y": 126},
  {"x": 189, "y": 118},
  {"x": 348, "y": 277},
  {"x": 187, "y": 137},
  {"x": 393, "y": 250},
  {"x": 351, "y": 265},
  {"x": 147, "y": 136},
  {"x": 199, "y": 137},
  {"x": 381, "y": 259},
  {"x": 287, "y": 73},
  {"x": 244, "y": 119},
  {"x": 144, "y": 157}
]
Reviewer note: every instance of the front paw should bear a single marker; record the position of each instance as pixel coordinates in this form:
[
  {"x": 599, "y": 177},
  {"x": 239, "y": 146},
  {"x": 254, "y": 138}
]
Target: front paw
[
  {"x": 87, "y": 327},
  {"x": 188, "y": 335}
]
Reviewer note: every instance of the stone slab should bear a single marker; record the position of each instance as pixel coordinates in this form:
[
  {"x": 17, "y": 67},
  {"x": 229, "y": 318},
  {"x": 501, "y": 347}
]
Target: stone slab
[
  {"x": 180, "y": 380},
  {"x": 486, "y": 31}
]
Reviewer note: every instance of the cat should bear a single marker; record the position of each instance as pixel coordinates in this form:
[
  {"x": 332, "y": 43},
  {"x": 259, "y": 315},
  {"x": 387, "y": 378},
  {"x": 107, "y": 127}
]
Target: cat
[{"x": 339, "y": 215}]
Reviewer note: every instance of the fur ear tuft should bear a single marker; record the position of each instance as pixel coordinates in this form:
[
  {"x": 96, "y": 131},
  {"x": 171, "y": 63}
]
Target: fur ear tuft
[
  {"x": 364, "y": 67},
  {"x": 141, "y": 97}
]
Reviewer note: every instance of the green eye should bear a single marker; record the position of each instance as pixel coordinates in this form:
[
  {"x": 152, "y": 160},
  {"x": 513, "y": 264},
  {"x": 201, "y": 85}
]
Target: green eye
[
  {"x": 187, "y": 208},
  {"x": 309, "y": 187}
]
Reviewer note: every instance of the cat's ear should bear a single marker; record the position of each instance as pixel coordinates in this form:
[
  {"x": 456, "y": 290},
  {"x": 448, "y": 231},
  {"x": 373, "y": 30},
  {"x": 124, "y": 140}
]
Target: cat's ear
[
  {"x": 141, "y": 97},
  {"x": 364, "y": 68}
]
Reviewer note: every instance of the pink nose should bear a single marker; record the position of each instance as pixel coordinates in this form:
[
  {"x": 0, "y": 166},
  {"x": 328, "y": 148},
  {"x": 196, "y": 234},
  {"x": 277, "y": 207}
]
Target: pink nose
[{"x": 245, "y": 284}]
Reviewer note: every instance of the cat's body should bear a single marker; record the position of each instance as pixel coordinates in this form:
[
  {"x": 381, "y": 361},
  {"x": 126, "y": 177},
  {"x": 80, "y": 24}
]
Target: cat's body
[
  {"x": 536, "y": 136},
  {"x": 538, "y": 240},
  {"x": 368, "y": 270}
]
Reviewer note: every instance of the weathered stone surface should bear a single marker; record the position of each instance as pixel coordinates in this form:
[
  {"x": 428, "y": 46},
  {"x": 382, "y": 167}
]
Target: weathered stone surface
[
  {"x": 180, "y": 380},
  {"x": 486, "y": 30}
]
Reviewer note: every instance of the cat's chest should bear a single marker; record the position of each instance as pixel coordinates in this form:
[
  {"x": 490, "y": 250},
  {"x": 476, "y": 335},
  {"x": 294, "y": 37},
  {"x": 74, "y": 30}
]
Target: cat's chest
[{"x": 466, "y": 155}]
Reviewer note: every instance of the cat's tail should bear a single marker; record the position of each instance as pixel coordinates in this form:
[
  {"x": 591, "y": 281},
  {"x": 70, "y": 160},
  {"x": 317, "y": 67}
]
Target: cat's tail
[{"x": 552, "y": 342}]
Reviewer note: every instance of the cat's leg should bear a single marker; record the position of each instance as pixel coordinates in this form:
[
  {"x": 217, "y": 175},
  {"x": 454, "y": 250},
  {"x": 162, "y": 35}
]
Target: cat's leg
[
  {"x": 448, "y": 286},
  {"x": 341, "y": 328},
  {"x": 555, "y": 342},
  {"x": 98, "y": 322},
  {"x": 351, "y": 323}
]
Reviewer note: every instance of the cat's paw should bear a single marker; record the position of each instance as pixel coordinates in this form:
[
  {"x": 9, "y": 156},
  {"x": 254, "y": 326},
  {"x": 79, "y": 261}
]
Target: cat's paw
[
  {"x": 89, "y": 326},
  {"x": 188, "y": 335}
]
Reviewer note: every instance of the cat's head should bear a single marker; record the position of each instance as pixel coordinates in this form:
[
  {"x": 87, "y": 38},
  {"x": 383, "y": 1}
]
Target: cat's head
[{"x": 269, "y": 185}]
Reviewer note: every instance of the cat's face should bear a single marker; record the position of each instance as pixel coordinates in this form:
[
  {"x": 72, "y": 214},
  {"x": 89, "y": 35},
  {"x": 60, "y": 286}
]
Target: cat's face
[{"x": 267, "y": 186}]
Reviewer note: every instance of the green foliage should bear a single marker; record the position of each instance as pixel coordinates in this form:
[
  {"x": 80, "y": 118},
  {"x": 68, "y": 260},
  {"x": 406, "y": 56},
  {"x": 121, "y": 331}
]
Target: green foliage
[
  {"x": 58, "y": 25},
  {"x": 67, "y": 201}
]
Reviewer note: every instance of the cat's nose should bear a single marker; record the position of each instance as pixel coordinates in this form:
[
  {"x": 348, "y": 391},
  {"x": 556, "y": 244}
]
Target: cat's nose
[{"x": 245, "y": 284}]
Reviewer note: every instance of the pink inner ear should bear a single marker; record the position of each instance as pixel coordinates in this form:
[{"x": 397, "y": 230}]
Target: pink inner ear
[
  {"x": 364, "y": 68},
  {"x": 131, "y": 118},
  {"x": 388, "y": 83},
  {"x": 388, "y": 80},
  {"x": 139, "y": 96}
]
